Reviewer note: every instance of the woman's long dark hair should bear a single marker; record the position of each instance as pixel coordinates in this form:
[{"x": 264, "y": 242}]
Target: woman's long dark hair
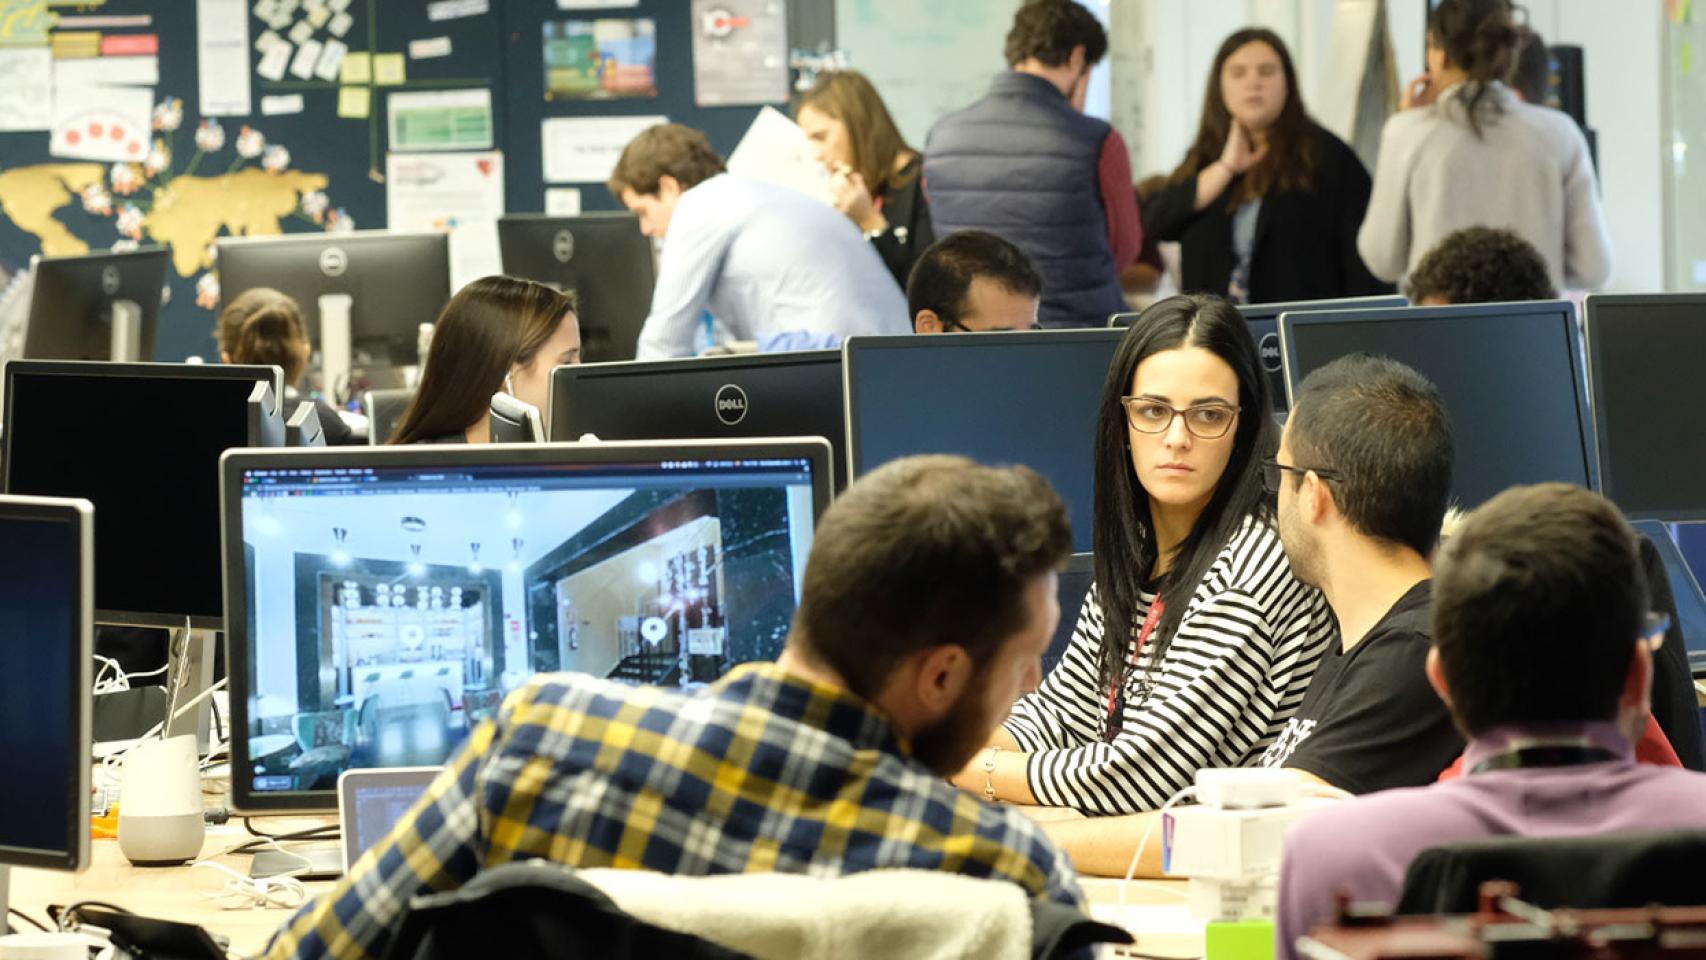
[
  {"x": 490, "y": 326},
  {"x": 1126, "y": 550},
  {"x": 1290, "y": 161},
  {"x": 1479, "y": 37}
]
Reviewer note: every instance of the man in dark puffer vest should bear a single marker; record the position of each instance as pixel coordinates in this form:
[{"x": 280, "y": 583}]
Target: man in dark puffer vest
[{"x": 1026, "y": 164}]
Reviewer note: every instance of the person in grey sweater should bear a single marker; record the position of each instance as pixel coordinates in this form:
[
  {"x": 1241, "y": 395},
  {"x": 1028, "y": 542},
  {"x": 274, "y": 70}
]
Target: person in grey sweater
[{"x": 1469, "y": 152}]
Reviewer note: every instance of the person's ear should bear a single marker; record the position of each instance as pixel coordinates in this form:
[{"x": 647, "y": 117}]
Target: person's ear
[
  {"x": 1076, "y": 61},
  {"x": 1436, "y": 676},
  {"x": 1637, "y": 697},
  {"x": 927, "y": 322},
  {"x": 1318, "y": 495},
  {"x": 669, "y": 188},
  {"x": 942, "y": 675}
]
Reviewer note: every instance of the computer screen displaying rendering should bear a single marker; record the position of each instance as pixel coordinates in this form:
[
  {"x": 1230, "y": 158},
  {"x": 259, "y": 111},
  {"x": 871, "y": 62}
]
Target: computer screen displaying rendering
[{"x": 383, "y": 602}]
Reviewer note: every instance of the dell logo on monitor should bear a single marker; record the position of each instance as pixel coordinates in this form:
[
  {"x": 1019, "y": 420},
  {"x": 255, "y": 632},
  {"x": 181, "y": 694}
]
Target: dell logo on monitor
[
  {"x": 333, "y": 261},
  {"x": 109, "y": 280},
  {"x": 563, "y": 246},
  {"x": 1270, "y": 351},
  {"x": 731, "y": 404}
]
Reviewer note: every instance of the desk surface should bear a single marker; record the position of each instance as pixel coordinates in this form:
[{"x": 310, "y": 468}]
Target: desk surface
[{"x": 172, "y": 893}]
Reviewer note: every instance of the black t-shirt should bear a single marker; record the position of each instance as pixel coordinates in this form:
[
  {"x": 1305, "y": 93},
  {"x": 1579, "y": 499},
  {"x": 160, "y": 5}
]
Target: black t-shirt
[{"x": 1370, "y": 720}]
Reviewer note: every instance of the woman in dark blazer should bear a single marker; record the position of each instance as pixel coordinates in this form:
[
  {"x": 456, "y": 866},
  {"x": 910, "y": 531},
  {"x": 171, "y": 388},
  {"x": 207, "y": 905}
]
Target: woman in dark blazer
[{"x": 1266, "y": 205}]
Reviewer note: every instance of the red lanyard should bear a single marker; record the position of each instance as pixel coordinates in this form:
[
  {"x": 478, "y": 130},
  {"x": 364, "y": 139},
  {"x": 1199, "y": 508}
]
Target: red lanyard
[{"x": 1149, "y": 622}]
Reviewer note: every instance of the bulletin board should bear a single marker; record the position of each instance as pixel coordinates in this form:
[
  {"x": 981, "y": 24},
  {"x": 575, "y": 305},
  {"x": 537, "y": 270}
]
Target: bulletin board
[{"x": 320, "y": 163}]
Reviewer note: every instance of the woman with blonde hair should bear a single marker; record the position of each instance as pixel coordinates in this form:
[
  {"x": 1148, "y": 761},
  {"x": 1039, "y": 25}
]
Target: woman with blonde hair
[
  {"x": 497, "y": 333},
  {"x": 263, "y": 325},
  {"x": 875, "y": 177}
]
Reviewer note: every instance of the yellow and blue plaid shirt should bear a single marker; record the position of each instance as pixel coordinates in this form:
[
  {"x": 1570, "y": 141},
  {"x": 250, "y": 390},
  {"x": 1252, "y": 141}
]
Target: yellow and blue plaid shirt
[{"x": 762, "y": 771}]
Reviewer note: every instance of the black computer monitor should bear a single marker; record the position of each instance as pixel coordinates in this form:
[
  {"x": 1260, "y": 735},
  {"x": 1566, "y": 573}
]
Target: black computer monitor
[
  {"x": 1511, "y": 375},
  {"x": 397, "y": 281},
  {"x": 1028, "y": 398},
  {"x": 46, "y": 612},
  {"x": 515, "y": 421},
  {"x": 1648, "y": 398},
  {"x": 602, "y": 257},
  {"x": 99, "y": 306},
  {"x": 1690, "y": 601},
  {"x": 796, "y": 394},
  {"x": 142, "y": 442},
  {"x": 1071, "y": 587},
  {"x": 383, "y": 601}
]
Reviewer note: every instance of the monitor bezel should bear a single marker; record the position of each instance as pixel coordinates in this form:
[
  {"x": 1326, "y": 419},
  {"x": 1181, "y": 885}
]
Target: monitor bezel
[
  {"x": 101, "y": 368},
  {"x": 79, "y": 515},
  {"x": 853, "y": 347},
  {"x": 816, "y": 450},
  {"x": 1491, "y": 311},
  {"x": 1592, "y": 323}
]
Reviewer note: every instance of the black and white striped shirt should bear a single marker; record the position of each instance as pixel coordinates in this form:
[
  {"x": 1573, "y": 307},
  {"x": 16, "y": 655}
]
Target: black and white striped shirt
[{"x": 1234, "y": 673}]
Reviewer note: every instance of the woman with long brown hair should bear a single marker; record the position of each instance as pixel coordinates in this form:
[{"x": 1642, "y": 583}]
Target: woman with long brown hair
[
  {"x": 497, "y": 333},
  {"x": 1267, "y": 203},
  {"x": 875, "y": 176}
]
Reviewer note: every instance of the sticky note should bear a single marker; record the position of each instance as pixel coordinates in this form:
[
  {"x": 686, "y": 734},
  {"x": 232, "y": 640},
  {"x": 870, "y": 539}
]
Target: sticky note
[
  {"x": 388, "y": 69},
  {"x": 318, "y": 17},
  {"x": 301, "y": 32},
  {"x": 307, "y": 55},
  {"x": 340, "y": 24},
  {"x": 275, "y": 61},
  {"x": 355, "y": 102},
  {"x": 357, "y": 67}
]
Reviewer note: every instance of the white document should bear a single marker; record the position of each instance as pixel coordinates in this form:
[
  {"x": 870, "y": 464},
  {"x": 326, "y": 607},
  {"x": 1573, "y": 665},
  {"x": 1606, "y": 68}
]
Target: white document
[
  {"x": 774, "y": 149},
  {"x": 562, "y": 201},
  {"x": 457, "y": 9},
  {"x": 108, "y": 71},
  {"x": 458, "y": 193},
  {"x": 222, "y": 57},
  {"x": 307, "y": 55},
  {"x": 585, "y": 149},
  {"x": 440, "y": 120},
  {"x": 594, "y": 4},
  {"x": 281, "y": 105},
  {"x": 331, "y": 61},
  {"x": 429, "y": 48},
  {"x": 26, "y": 88},
  {"x": 276, "y": 60},
  {"x": 111, "y": 124}
]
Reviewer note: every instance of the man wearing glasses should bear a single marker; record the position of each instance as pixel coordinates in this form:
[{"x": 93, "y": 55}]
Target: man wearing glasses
[
  {"x": 1543, "y": 651},
  {"x": 970, "y": 282},
  {"x": 1363, "y": 477}
]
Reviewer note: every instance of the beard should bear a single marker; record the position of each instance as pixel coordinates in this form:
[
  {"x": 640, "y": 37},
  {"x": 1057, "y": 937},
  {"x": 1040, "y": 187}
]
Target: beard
[
  {"x": 1301, "y": 550},
  {"x": 947, "y": 745}
]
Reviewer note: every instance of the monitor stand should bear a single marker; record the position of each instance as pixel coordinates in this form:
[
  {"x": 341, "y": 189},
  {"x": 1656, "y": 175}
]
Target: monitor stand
[
  {"x": 126, "y": 343},
  {"x": 190, "y": 675},
  {"x": 336, "y": 346},
  {"x": 5, "y": 915}
]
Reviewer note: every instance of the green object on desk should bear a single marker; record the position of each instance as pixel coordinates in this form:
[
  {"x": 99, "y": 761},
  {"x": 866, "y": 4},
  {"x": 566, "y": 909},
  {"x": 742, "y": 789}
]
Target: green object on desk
[{"x": 1244, "y": 940}]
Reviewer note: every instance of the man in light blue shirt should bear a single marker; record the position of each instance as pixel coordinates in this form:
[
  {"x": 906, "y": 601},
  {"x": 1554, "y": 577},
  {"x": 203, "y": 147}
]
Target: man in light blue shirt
[{"x": 763, "y": 259}]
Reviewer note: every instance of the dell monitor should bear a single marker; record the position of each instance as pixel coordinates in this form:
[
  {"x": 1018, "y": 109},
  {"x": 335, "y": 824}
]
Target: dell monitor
[
  {"x": 94, "y": 431},
  {"x": 364, "y": 295},
  {"x": 99, "y": 306},
  {"x": 795, "y": 394},
  {"x": 1510, "y": 374},
  {"x": 46, "y": 616},
  {"x": 602, "y": 258},
  {"x": 1030, "y": 397},
  {"x": 515, "y": 421},
  {"x": 1648, "y": 394},
  {"x": 383, "y": 601}
]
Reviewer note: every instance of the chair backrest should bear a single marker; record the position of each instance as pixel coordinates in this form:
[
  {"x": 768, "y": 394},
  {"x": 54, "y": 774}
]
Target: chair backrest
[
  {"x": 384, "y": 408},
  {"x": 1609, "y": 871}
]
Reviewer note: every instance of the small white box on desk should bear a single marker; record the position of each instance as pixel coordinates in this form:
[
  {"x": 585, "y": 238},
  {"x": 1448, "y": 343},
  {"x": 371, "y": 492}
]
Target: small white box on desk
[{"x": 1234, "y": 845}]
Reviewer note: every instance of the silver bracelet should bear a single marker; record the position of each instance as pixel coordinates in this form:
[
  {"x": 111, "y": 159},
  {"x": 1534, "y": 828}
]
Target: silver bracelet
[{"x": 989, "y": 774}]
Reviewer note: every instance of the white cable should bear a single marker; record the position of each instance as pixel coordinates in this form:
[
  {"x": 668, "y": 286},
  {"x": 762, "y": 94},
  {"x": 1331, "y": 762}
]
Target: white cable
[
  {"x": 118, "y": 682},
  {"x": 152, "y": 673},
  {"x": 1137, "y": 857},
  {"x": 113, "y": 759},
  {"x": 283, "y": 890}
]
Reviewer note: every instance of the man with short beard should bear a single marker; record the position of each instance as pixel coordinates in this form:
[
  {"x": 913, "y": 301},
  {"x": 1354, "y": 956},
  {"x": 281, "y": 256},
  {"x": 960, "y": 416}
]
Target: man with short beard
[
  {"x": 1363, "y": 477},
  {"x": 927, "y": 603}
]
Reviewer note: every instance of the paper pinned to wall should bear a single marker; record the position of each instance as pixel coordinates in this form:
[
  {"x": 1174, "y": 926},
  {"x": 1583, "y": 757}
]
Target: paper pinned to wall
[
  {"x": 331, "y": 60},
  {"x": 389, "y": 69},
  {"x": 429, "y": 48},
  {"x": 111, "y": 124},
  {"x": 26, "y": 88},
  {"x": 282, "y": 105},
  {"x": 458, "y": 193},
  {"x": 222, "y": 58},
  {"x": 307, "y": 55},
  {"x": 440, "y": 120},
  {"x": 740, "y": 52},
  {"x": 774, "y": 149},
  {"x": 107, "y": 71},
  {"x": 585, "y": 149},
  {"x": 355, "y": 103},
  {"x": 356, "y": 68},
  {"x": 562, "y": 201},
  {"x": 275, "y": 61}
]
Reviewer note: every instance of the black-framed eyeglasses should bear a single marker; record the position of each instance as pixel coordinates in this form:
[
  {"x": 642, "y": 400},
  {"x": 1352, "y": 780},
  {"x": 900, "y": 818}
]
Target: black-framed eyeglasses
[
  {"x": 1205, "y": 421},
  {"x": 954, "y": 326},
  {"x": 1272, "y": 469}
]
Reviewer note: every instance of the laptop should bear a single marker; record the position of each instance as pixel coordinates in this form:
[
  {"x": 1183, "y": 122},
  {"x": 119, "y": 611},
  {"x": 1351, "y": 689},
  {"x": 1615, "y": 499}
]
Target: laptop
[{"x": 371, "y": 801}]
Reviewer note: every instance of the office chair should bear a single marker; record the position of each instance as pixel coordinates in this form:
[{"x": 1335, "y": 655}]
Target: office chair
[{"x": 384, "y": 408}]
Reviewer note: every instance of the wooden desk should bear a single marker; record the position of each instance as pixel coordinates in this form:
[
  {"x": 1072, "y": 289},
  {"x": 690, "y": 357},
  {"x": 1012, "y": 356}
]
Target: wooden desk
[
  {"x": 172, "y": 893},
  {"x": 169, "y": 893}
]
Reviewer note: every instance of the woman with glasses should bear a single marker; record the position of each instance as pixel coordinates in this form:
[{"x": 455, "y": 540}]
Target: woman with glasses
[{"x": 1196, "y": 643}]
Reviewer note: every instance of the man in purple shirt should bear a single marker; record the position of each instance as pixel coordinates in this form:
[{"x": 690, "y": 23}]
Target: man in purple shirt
[{"x": 1543, "y": 651}]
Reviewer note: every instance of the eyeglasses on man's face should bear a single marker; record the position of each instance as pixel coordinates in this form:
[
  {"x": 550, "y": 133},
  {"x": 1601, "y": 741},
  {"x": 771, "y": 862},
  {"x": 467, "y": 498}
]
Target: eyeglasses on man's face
[
  {"x": 1272, "y": 470},
  {"x": 1205, "y": 421}
]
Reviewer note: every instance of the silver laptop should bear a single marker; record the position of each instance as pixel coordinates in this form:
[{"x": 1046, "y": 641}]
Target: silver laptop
[{"x": 371, "y": 801}]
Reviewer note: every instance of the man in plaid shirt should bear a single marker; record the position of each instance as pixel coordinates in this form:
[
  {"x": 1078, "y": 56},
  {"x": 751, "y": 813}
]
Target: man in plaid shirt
[{"x": 928, "y": 600}]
